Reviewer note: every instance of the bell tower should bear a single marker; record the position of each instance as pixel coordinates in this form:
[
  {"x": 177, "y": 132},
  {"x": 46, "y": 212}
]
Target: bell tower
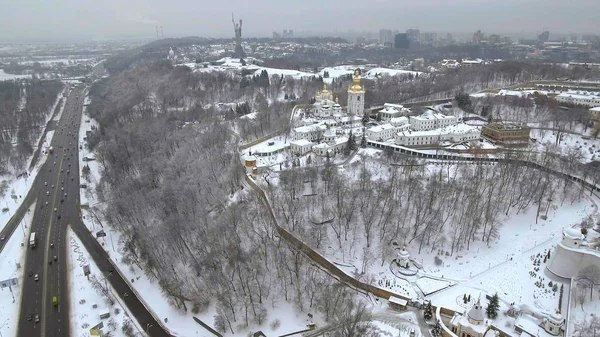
[{"x": 356, "y": 96}]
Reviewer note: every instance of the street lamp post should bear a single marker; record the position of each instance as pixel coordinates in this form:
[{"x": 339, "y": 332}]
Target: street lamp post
[{"x": 148, "y": 326}]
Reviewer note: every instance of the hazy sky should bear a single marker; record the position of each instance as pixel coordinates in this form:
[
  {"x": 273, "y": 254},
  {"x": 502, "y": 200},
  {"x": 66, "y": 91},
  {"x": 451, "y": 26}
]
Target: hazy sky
[{"x": 65, "y": 19}]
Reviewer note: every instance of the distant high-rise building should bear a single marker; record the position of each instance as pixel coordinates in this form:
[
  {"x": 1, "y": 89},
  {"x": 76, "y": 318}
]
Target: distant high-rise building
[
  {"x": 413, "y": 35},
  {"x": 401, "y": 41},
  {"x": 385, "y": 36},
  {"x": 288, "y": 34},
  {"x": 428, "y": 38},
  {"x": 477, "y": 37},
  {"x": 276, "y": 36},
  {"x": 544, "y": 37}
]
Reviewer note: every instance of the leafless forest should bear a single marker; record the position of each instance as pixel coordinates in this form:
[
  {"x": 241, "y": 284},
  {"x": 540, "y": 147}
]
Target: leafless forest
[
  {"x": 24, "y": 107},
  {"x": 372, "y": 204},
  {"x": 171, "y": 180}
]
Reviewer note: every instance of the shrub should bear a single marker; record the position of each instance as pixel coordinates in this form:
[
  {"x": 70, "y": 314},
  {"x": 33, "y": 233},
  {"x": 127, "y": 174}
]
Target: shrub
[{"x": 438, "y": 261}]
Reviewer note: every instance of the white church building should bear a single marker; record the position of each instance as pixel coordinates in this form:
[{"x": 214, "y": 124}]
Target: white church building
[{"x": 328, "y": 129}]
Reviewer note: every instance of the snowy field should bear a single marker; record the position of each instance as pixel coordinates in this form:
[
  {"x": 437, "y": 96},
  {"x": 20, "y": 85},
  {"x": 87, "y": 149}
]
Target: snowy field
[
  {"x": 4, "y": 76},
  {"x": 585, "y": 150},
  {"x": 375, "y": 72},
  {"x": 86, "y": 303},
  {"x": 430, "y": 285},
  {"x": 12, "y": 256}
]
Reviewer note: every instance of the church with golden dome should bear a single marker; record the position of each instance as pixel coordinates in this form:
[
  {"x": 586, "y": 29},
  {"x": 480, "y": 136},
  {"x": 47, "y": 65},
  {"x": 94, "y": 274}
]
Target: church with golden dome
[
  {"x": 327, "y": 106},
  {"x": 356, "y": 97}
]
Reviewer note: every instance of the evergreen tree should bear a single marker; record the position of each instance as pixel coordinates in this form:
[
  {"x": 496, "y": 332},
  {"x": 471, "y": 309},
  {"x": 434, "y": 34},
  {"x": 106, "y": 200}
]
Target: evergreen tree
[
  {"x": 243, "y": 62},
  {"x": 351, "y": 141},
  {"x": 363, "y": 141},
  {"x": 465, "y": 299},
  {"x": 463, "y": 101},
  {"x": 365, "y": 119},
  {"x": 325, "y": 74},
  {"x": 469, "y": 298},
  {"x": 437, "y": 329},
  {"x": 493, "y": 306},
  {"x": 428, "y": 312}
]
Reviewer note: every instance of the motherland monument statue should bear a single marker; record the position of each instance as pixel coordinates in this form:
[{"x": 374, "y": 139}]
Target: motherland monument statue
[{"x": 237, "y": 29}]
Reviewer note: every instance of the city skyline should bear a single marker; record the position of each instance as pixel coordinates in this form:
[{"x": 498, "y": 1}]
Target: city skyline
[{"x": 71, "y": 20}]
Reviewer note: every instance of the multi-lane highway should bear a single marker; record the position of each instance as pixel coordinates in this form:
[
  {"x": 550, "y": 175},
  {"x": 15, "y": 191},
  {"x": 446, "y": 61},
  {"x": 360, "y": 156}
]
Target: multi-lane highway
[{"x": 56, "y": 189}]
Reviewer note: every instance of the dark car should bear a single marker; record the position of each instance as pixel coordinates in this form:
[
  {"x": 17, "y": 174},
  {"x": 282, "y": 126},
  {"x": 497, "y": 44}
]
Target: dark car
[{"x": 30, "y": 317}]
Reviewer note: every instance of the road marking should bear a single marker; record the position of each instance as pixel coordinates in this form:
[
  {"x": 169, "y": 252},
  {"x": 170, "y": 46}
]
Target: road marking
[{"x": 46, "y": 251}]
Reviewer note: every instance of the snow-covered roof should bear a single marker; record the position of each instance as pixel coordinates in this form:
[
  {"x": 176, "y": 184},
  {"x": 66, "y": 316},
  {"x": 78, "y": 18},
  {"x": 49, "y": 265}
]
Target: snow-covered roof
[
  {"x": 389, "y": 109},
  {"x": 379, "y": 128},
  {"x": 301, "y": 142},
  {"x": 329, "y": 133},
  {"x": 595, "y": 109},
  {"x": 399, "y": 120},
  {"x": 573, "y": 233},
  {"x": 396, "y": 300},
  {"x": 476, "y": 312},
  {"x": 250, "y": 158},
  {"x": 309, "y": 128},
  {"x": 450, "y": 129},
  {"x": 504, "y": 92}
]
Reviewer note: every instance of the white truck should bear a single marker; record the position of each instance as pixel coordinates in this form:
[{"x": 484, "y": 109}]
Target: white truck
[{"x": 32, "y": 240}]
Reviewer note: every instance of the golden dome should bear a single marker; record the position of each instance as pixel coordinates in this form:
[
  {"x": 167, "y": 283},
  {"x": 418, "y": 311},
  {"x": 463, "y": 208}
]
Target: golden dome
[{"x": 356, "y": 87}]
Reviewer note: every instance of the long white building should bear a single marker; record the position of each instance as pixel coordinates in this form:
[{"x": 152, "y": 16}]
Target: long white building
[
  {"x": 585, "y": 98},
  {"x": 431, "y": 120},
  {"x": 453, "y": 133}
]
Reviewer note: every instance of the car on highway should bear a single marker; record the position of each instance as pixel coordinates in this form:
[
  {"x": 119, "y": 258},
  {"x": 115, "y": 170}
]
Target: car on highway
[
  {"x": 45, "y": 183},
  {"x": 3, "y": 237},
  {"x": 36, "y": 277},
  {"x": 47, "y": 192},
  {"x": 55, "y": 209},
  {"x": 37, "y": 318},
  {"x": 55, "y": 258},
  {"x": 30, "y": 317},
  {"x": 54, "y": 163}
]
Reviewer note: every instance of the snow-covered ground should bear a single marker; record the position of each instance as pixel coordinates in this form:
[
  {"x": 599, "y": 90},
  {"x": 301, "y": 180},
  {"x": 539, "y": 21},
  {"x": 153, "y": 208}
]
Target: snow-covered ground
[
  {"x": 11, "y": 258},
  {"x": 585, "y": 150},
  {"x": 86, "y": 303},
  {"x": 149, "y": 291},
  {"x": 4, "y": 76},
  {"x": 18, "y": 187},
  {"x": 375, "y": 72}
]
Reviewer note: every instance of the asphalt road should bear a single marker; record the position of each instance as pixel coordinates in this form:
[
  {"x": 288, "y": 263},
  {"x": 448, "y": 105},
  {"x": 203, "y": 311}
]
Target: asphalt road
[{"x": 56, "y": 189}]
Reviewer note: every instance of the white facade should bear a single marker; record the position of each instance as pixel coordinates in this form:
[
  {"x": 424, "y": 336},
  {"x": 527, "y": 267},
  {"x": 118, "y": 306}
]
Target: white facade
[
  {"x": 356, "y": 97},
  {"x": 309, "y": 132},
  {"x": 388, "y": 113},
  {"x": 301, "y": 147},
  {"x": 325, "y": 105},
  {"x": 572, "y": 254},
  {"x": 430, "y": 121},
  {"x": 454, "y": 134},
  {"x": 585, "y": 98},
  {"x": 399, "y": 121},
  {"x": 333, "y": 147},
  {"x": 381, "y": 132}
]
